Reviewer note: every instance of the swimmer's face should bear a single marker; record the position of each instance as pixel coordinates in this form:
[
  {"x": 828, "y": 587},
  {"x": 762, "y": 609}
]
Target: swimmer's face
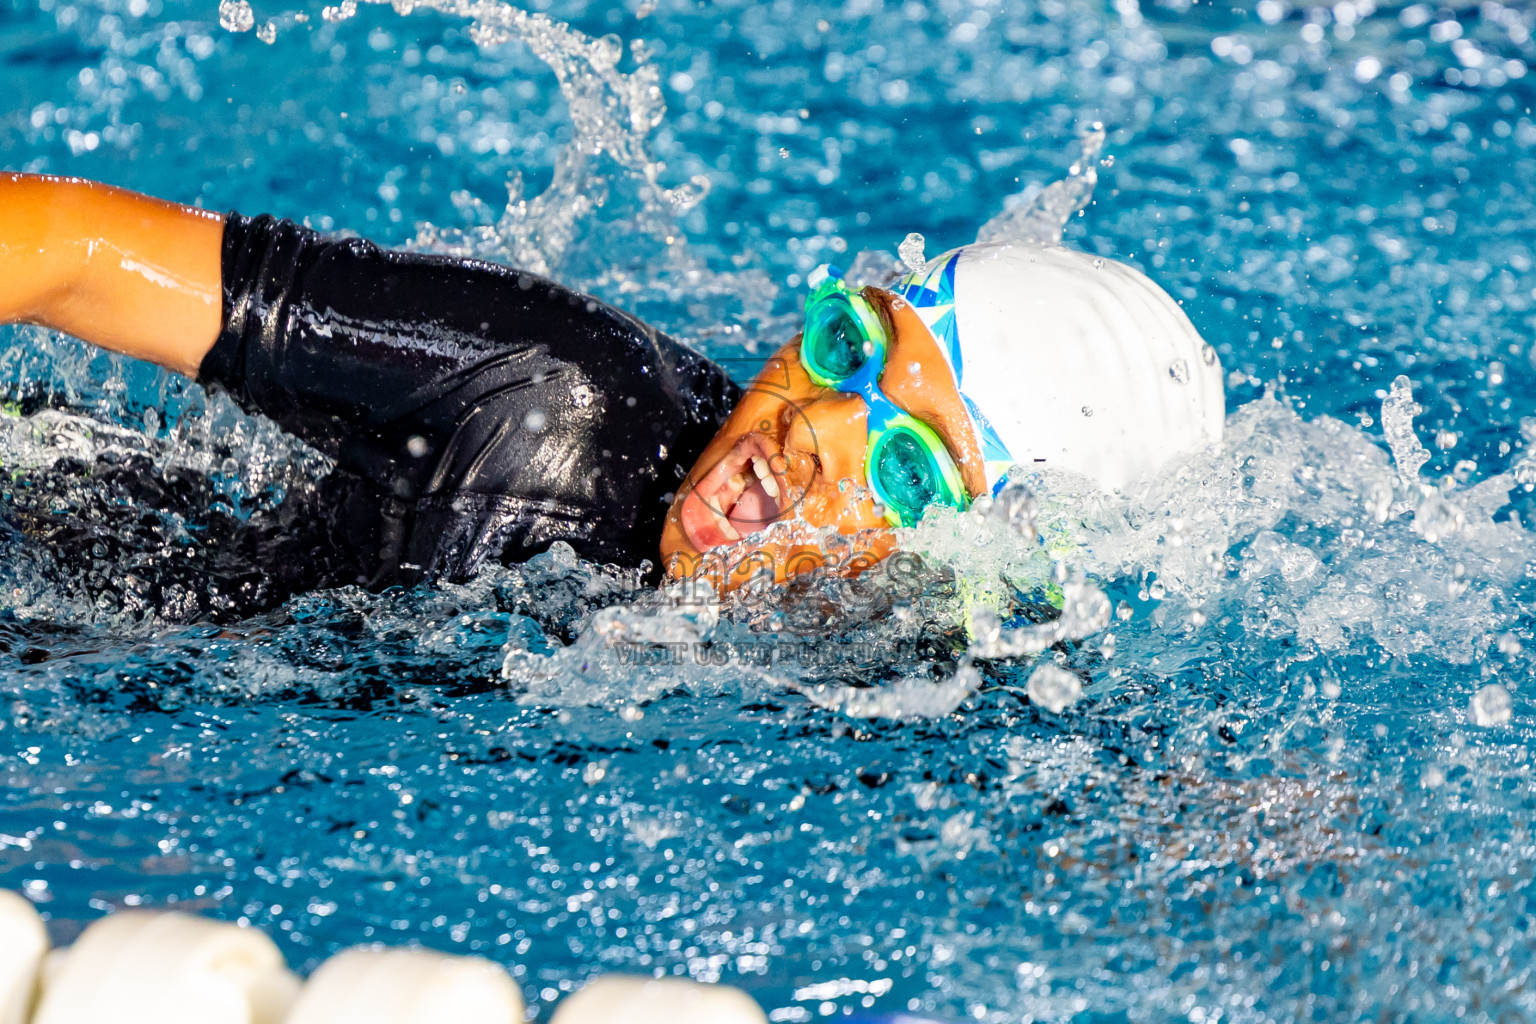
[{"x": 792, "y": 453}]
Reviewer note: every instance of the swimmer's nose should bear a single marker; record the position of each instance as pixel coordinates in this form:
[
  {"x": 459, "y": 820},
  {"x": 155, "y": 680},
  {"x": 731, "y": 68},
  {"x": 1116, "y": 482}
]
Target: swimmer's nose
[{"x": 835, "y": 430}]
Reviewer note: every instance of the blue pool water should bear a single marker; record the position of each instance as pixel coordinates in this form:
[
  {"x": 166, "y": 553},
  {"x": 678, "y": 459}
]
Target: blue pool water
[{"x": 1297, "y": 785}]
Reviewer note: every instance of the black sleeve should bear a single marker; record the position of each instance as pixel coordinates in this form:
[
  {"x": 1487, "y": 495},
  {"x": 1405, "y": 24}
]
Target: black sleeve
[{"x": 494, "y": 411}]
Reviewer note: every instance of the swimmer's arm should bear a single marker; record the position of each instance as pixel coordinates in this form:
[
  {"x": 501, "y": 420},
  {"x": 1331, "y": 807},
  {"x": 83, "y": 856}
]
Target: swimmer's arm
[{"x": 120, "y": 270}]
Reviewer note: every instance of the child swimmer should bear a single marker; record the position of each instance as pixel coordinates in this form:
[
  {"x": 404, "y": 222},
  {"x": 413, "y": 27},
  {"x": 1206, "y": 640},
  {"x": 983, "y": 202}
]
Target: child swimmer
[{"x": 477, "y": 412}]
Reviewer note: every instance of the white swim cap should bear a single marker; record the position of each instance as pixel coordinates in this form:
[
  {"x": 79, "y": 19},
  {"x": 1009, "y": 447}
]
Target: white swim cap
[{"x": 1067, "y": 360}]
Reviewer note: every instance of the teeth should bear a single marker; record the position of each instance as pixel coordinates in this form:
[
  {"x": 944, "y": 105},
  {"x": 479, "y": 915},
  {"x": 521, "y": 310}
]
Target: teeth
[
  {"x": 766, "y": 476},
  {"x": 726, "y": 527}
]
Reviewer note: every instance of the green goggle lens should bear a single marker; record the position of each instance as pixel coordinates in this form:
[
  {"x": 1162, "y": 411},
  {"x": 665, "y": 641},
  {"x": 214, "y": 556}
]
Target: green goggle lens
[
  {"x": 836, "y": 341},
  {"x": 907, "y": 473}
]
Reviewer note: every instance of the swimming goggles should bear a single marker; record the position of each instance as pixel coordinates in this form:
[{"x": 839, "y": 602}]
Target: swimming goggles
[{"x": 844, "y": 347}]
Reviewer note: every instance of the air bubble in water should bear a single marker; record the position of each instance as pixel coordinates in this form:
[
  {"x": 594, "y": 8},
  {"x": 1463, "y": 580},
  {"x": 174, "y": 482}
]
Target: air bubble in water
[
  {"x": 236, "y": 16},
  {"x": 1053, "y": 689},
  {"x": 911, "y": 251},
  {"x": 1178, "y": 371},
  {"x": 1491, "y": 705},
  {"x": 534, "y": 421}
]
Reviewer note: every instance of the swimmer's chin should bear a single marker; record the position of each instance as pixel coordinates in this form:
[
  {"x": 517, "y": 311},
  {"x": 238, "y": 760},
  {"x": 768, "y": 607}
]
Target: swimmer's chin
[
  {"x": 783, "y": 555},
  {"x": 781, "y": 551}
]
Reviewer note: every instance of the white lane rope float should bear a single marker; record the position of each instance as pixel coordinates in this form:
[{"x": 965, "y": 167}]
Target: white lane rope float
[{"x": 141, "y": 967}]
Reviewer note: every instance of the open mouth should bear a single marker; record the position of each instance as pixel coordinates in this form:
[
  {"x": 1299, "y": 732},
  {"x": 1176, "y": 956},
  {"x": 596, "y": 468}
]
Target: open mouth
[{"x": 743, "y": 493}]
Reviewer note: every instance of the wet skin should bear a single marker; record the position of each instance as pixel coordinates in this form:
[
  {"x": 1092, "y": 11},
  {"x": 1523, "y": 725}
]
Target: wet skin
[{"x": 793, "y": 452}]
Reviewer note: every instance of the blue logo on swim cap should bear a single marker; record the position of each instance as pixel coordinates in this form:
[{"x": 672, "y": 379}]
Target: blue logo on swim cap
[{"x": 932, "y": 296}]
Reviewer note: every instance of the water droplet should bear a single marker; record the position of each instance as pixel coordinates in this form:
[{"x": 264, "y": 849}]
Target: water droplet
[
  {"x": 1098, "y": 263},
  {"x": 236, "y": 16},
  {"x": 1445, "y": 440},
  {"x": 1510, "y": 645},
  {"x": 1053, "y": 689},
  {"x": 1208, "y": 354},
  {"x": 1525, "y": 473},
  {"x": 1087, "y": 410},
  {"x": 1491, "y": 705},
  {"x": 1178, "y": 370},
  {"x": 417, "y": 446},
  {"x": 534, "y": 421},
  {"x": 267, "y": 33},
  {"x": 911, "y": 251},
  {"x": 1156, "y": 591}
]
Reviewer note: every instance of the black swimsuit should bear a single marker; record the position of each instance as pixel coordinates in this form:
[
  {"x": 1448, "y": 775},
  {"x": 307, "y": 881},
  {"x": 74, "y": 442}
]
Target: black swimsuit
[{"x": 474, "y": 411}]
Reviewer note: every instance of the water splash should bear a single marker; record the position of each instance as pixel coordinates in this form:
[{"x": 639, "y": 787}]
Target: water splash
[
  {"x": 1039, "y": 216},
  {"x": 1408, "y": 453},
  {"x": 1281, "y": 529},
  {"x": 613, "y": 113}
]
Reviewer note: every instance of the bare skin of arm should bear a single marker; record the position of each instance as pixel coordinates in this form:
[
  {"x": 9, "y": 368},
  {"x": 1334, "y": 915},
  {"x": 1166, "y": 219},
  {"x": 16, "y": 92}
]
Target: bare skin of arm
[{"x": 120, "y": 270}]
